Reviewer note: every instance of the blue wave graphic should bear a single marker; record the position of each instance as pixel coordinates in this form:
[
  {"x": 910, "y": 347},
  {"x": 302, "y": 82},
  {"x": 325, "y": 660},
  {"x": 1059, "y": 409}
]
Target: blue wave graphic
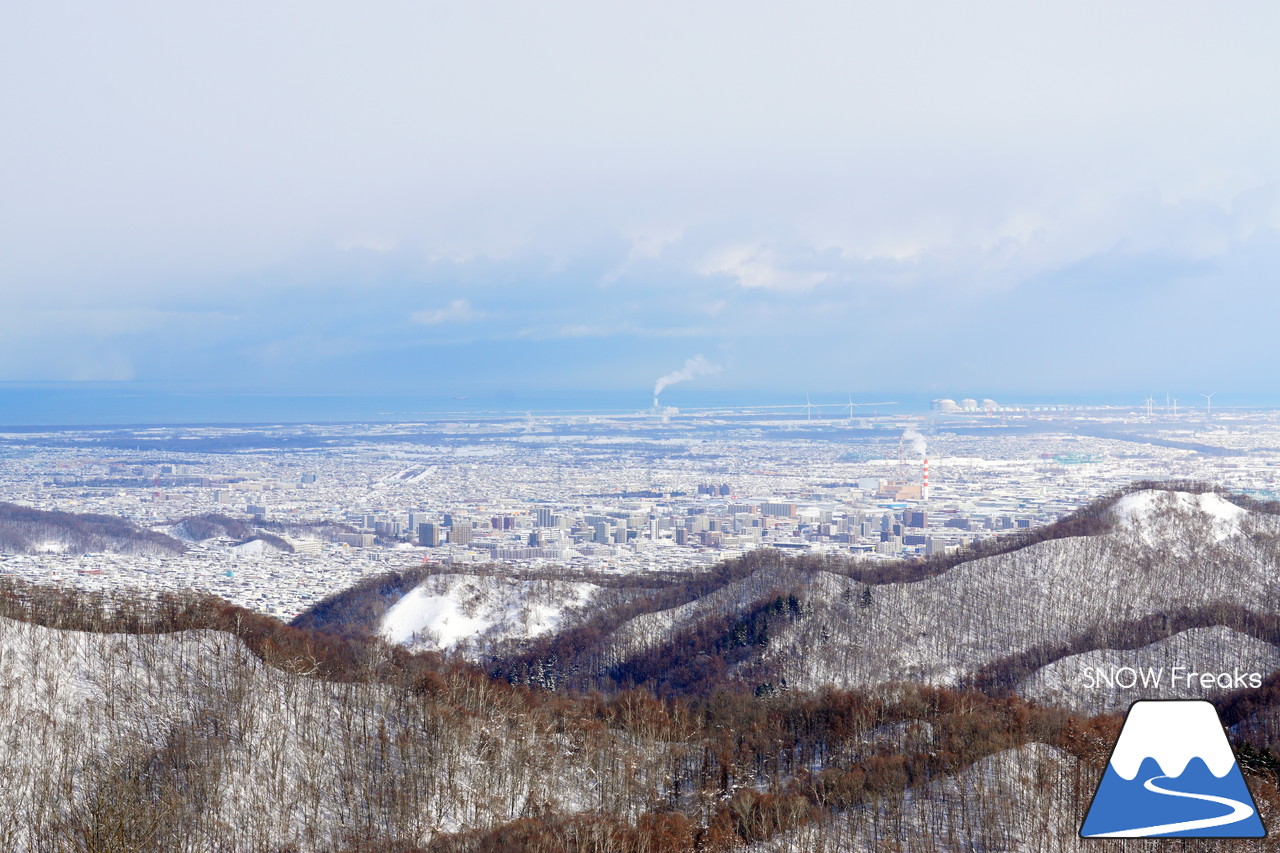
[{"x": 1195, "y": 804}]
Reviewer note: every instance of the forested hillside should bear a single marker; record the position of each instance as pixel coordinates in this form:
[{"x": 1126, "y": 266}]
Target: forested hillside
[
  {"x": 24, "y": 530},
  {"x": 768, "y": 704},
  {"x": 1124, "y": 573}
]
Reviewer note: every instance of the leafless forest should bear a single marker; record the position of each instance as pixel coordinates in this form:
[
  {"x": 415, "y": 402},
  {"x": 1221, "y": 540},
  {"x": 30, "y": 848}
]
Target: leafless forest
[{"x": 769, "y": 704}]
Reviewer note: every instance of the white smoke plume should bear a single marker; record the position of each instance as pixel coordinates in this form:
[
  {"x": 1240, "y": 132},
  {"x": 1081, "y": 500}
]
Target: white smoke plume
[
  {"x": 693, "y": 368},
  {"x": 918, "y": 445}
]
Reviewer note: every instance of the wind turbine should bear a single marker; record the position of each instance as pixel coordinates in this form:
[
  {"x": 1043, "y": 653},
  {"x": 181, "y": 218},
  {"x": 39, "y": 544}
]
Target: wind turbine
[
  {"x": 1175, "y": 407},
  {"x": 808, "y": 408},
  {"x": 850, "y": 408},
  {"x": 1209, "y": 404},
  {"x": 1149, "y": 403}
]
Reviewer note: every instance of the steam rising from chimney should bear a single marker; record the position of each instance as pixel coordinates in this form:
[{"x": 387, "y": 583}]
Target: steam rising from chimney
[
  {"x": 693, "y": 368},
  {"x": 918, "y": 445}
]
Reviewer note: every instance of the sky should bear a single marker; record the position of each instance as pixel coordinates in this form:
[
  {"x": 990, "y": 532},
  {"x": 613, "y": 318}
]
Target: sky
[{"x": 438, "y": 197}]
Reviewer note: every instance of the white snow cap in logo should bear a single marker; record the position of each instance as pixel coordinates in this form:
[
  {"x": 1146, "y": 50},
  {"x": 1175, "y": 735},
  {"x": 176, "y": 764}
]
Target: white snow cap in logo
[{"x": 1172, "y": 733}]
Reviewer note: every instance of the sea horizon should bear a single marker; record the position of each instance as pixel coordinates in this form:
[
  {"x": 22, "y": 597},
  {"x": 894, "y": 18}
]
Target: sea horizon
[{"x": 72, "y": 405}]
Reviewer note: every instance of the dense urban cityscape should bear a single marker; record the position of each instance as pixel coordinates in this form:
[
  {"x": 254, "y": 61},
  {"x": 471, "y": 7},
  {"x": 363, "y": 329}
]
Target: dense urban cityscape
[{"x": 277, "y": 516}]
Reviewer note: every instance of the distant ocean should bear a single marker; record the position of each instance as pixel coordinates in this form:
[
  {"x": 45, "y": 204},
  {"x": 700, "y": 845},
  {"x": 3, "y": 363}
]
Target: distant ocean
[{"x": 103, "y": 404}]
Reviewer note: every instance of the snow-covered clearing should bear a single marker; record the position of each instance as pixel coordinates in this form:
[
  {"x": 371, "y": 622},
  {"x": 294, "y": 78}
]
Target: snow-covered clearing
[{"x": 447, "y": 610}]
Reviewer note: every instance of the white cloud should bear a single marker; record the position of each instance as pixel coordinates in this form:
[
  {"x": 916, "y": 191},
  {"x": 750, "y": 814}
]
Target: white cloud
[
  {"x": 758, "y": 267},
  {"x": 457, "y": 311},
  {"x": 650, "y": 242}
]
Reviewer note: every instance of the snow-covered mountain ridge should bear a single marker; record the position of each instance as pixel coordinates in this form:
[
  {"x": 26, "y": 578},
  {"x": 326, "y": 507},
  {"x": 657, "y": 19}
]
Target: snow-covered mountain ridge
[
  {"x": 190, "y": 735},
  {"x": 1164, "y": 561},
  {"x": 264, "y": 736}
]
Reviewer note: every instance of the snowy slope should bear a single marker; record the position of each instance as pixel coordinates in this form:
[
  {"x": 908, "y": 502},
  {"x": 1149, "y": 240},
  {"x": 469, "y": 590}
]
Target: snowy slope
[
  {"x": 1025, "y": 800},
  {"x": 1218, "y": 649},
  {"x": 1152, "y": 515},
  {"x": 939, "y": 629},
  {"x": 652, "y": 629},
  {"x": 446, "y": 611},
  {"x": 190, "y": 732},
  {"x": 253, "y": 548},
  {"x": 943, "y": 628}
]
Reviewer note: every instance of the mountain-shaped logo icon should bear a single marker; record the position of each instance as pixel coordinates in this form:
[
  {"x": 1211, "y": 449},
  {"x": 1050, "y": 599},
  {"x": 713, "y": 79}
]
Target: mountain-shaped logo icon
[{"x": 1172, "y": 775}]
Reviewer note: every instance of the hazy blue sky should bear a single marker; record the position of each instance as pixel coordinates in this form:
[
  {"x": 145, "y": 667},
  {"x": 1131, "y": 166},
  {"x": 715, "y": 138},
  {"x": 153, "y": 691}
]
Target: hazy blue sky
[{"x": 434, "y": 197}]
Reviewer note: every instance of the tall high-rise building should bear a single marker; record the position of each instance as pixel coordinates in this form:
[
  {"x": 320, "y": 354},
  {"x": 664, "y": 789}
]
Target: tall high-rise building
[{"x": 430, "y": 535}]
